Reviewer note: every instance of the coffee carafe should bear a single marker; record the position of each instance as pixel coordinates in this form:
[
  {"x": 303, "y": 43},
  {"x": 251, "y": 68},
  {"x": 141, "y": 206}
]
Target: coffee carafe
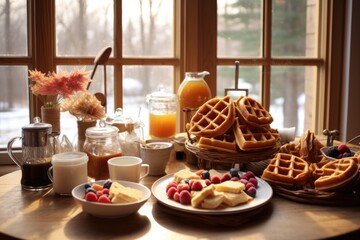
[{"x": 37, "y": 151}]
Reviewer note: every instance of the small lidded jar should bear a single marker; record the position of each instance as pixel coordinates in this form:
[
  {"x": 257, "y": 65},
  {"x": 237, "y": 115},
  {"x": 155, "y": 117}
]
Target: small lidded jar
[
  {"x": 162, "y": 109},
  {"x": 101, "y": 144}
]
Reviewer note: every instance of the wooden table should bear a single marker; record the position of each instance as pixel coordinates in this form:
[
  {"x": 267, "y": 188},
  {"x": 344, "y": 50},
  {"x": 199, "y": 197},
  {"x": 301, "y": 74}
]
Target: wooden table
[{"x": 44, "y": 215}]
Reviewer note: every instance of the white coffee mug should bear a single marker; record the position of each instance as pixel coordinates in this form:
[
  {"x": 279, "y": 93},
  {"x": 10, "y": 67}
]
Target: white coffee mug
[
  {"x": 68, "y": 170},
  {"x": 127, "y": 168},
  {"x": 157, "y": 155}
]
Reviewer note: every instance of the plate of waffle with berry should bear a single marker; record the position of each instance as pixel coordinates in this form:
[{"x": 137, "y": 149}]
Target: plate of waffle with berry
[{"x": 212, "y": 192}]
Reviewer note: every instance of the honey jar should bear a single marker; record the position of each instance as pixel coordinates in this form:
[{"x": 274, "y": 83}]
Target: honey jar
[{"x": 101, "y": 144}]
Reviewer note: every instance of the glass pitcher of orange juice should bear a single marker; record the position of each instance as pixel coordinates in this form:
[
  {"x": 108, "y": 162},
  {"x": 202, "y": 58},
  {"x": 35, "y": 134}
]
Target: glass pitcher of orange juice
[
  {"x": 193, "y": 91},
  {"x": 162, "y": 110}
]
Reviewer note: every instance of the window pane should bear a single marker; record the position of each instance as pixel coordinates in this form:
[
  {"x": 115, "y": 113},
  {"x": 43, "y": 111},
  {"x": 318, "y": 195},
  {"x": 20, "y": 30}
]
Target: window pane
[
  {"x": 249, "y": 78},
  {"x": 148, "y": 28},
  {"x": 140, "y": 81},
  {"x": 292, "y": 97},
  {"x": 83, "y": 27},
  {"x": 239, "y": 28},
  {"x": 294, "y": 28},
  {"x": 14, "y": 104},
  {"x": 13, "y": 27}
]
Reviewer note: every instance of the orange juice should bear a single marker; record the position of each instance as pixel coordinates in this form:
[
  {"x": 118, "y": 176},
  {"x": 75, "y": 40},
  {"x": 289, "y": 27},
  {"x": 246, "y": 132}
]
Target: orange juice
[
  {"x": 193, "y": 93},
  {"x": 162, "y": 126}
]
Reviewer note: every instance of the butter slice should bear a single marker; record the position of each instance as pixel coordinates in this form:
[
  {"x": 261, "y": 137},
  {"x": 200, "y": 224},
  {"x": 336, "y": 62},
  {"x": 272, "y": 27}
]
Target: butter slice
[
  {"x": 230, "y": 186},
  {"x": 120, "y": 194},
  {"x": 214, "y": 201},
  {"x": 185, "y": 174},
  {"x": 199, "y": 197},
  {"x": 233, "y": 199}
]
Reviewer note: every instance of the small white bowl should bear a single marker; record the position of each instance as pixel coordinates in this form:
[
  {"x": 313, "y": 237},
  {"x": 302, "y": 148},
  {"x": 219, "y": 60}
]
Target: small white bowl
[
  {"x": 326, "y": 150},
  {"x": 111, "y": 210}
]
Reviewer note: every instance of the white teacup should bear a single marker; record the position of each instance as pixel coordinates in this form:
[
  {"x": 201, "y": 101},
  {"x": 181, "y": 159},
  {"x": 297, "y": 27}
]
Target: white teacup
[
  {"x": 157, "y": 155},
  {"x": 127, "y": 168},
  {"x": 68, "y": 170}
]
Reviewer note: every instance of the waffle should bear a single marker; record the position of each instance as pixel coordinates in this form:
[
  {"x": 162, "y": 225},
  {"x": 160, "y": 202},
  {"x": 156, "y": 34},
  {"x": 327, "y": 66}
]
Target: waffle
[
  {"x": 223, "y": 143},
  {"x": 213, "y": 118},
  {"x": 287, "y": 170},
  {"x": 253, "y": 111},
  {"x": 310, "y": 147},
  {"x": 335, "y": 174},
  {"x": 249, "y": 137}
]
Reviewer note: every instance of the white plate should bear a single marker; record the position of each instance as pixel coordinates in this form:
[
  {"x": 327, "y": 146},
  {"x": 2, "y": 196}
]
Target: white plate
[
  {"x": 111, "y": 210},
  {"x": 264, "y": 193}
]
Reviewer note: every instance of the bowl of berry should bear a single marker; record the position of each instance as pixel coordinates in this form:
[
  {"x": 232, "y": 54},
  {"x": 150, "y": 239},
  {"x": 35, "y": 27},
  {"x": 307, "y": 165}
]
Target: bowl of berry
[
  {"x": 337, "y": 152},
  {"x": 111, "y": 199}
]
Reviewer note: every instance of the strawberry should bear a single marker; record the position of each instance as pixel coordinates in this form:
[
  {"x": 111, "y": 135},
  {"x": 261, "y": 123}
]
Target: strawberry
[{"x": 254, "y": 181}]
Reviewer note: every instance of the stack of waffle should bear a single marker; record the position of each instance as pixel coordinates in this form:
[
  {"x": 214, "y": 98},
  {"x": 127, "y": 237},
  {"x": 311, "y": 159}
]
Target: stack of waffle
[{"x": 233, "y": 126}]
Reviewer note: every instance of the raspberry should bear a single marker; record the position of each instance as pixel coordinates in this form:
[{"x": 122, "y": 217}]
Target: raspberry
[
  {"x": 343, "y": 148},
  {"x": 215, "y": 179},
  {"x": 244, "y": 181},
  {"x": 90, "y": 196},
  {"x": 251, "y": 192},
  {"x": 340, "y": 156},
  {"x": 244, "y": 177},
  {"x": 207, "y": 182},
  {"x": 249, "y": 185},
  {"x": 177, "y": 197},
  {"x": 171, "y": 184},
  {"x": 235, "y": 179},
  {"x": 99, "y": 193},
  {"x": 196, "y": 186},
  {"x": 104, "y": 199},
  {"x": 106, "y": 191},
  {"x": 249, "y": 174},
  {"x": 183, "y": 187},
  {"x": 185, "y": 198},
  {"x": 254, "y": 181},
  {"x": 170, "y": 193},
  {"x": 225, "y": 177}
]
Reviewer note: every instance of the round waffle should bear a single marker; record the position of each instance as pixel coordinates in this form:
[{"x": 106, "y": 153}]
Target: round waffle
[
  {"x": 253, "y": 111},
  {"x": 213, "y": 118},
  {"x": 249, "y": 137},
  {"x": 335, "y": 174},
  {"x": 287, "y": 170}
]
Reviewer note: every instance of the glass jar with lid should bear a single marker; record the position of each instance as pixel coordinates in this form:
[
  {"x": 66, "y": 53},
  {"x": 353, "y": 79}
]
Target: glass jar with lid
[
  {"x": 101, "y": 144},
  {"x": 162, "y": 110}
]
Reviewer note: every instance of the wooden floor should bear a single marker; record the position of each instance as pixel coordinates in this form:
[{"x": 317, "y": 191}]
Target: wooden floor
[{"x": 4, "y": 169}]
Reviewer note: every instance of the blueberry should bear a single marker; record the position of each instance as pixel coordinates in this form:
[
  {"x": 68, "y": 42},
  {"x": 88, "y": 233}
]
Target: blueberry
[
  {"x": 205, "y": 174},
  {"x": 333, "y": 153},
  {"x": 87, "y": 185},
  {"x": 90, "y": 189},
  {"x": 347, "y": 154},
  {"x": 234, "y": 172},
  {"x": 107, "y": 184}
]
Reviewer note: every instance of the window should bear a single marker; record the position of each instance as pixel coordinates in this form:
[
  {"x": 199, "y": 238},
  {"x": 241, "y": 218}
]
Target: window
[{"x": 282, "y": 62}]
